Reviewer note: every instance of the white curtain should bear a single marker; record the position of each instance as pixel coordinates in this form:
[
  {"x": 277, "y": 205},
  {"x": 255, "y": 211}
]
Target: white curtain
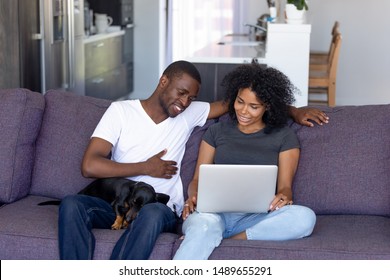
[{"x": 192, "y": 24}]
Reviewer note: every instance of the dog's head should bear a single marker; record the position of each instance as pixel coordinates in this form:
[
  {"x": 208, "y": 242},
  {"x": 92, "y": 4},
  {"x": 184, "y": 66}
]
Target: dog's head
[{"x": 142, "y": 194}]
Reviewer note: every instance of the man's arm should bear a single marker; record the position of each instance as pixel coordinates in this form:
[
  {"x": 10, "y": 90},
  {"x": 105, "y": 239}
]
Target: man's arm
[
  {"x": 304, "y": 116},
  {"x": 217, "y": 109},
  {"x": 96, "y": 163}
]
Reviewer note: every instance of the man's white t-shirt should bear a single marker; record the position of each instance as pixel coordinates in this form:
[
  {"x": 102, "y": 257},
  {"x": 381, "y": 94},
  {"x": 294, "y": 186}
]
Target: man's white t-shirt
[{"x": 136, "y": 137}]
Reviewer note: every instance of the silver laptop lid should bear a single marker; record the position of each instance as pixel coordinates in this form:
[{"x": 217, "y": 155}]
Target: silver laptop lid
[{"x": 236, "y": 188}]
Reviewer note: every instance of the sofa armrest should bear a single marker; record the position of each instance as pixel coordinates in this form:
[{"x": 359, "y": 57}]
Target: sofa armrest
[{"x": 21, "y": 112}]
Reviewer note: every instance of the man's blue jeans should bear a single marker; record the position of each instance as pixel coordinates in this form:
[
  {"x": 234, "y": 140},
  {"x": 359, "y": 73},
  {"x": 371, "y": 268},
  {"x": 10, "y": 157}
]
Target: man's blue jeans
[{"x": 78, "y": 214}]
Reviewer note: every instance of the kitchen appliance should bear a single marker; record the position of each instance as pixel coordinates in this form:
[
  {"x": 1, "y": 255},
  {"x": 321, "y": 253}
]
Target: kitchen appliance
[
  {"x": 121, "y": 12},
  {"x": 88, "y": 18},
  {"x": 52, "y": 33}
]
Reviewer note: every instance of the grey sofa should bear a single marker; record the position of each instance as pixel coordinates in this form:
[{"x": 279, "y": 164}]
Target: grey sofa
[{"x": 343, "y": 175}]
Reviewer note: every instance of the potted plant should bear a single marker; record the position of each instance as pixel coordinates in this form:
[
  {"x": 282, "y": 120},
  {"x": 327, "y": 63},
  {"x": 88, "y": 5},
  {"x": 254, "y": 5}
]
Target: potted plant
[
  {"x": 295, "y": 11},
  {"x": 300, "y": 4}
]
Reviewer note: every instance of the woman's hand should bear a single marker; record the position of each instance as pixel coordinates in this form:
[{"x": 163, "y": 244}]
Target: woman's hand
[
  {"x": 279, "y": 201},
  {"x": 189, "y": 207}
]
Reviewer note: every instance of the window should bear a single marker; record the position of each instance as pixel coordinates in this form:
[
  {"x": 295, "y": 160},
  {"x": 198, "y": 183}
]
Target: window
[{"x": 192, "y": 24}]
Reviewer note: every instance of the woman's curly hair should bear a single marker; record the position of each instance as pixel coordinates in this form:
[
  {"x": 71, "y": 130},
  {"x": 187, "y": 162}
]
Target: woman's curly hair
[{"x": 271, "y": 86}]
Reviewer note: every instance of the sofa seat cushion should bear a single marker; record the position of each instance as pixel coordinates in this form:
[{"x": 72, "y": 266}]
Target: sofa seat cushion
[
  {"x": 344, "y": 166},
  {"x": 67, "y": 126},
  {"x": 21, "y": 114},
  {"x": 334, "y": 237},
  {"x": 30, "y": 232},
  {"x": 27, "y": 230}
]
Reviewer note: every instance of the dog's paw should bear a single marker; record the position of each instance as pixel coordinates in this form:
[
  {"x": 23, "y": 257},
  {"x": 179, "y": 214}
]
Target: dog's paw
[{"x": 116, "y": 226}]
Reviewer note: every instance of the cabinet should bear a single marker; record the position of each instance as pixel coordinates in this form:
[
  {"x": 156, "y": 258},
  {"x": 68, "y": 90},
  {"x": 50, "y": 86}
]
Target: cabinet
[
  {"x": 212, "y": 75},
  {"x": 105, "y": 70},
  {"x": 108, "y": 85}
]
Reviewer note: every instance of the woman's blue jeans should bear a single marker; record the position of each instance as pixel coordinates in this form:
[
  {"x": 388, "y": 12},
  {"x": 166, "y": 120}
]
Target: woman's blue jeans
[
  {"x": 205, "y": 231},
  {"x": 78, "y": 214}
]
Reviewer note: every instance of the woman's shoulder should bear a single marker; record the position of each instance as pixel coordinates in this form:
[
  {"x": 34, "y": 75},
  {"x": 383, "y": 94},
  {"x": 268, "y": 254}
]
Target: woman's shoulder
[
  {"x": 223, "y": 124},
  {"x": 284, "y": 131}
]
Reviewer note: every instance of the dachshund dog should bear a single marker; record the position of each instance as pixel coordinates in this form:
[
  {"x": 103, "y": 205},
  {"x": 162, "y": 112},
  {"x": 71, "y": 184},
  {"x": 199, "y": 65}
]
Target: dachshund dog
[{"x": 126, "y": 197}]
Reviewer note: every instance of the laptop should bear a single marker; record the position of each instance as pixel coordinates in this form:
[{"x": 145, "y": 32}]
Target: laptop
[{"x": 236, "y": 188}]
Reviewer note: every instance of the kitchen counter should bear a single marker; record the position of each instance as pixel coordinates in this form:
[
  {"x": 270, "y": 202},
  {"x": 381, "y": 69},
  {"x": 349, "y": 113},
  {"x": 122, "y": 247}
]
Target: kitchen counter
[
  {"x": 286, "y": 48},
  {"x": 97, "y": 37},
  {"x": 231, "y": 49}
]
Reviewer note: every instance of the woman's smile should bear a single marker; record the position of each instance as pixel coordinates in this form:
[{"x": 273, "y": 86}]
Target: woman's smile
[{"x": 249, "y": 111}]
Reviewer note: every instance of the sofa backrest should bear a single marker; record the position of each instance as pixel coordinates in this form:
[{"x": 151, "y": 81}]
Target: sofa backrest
[
  {"x": 21, "y": 112},
  {"x": 344, "y": 166},
  {"x": 67, "y": 126}
]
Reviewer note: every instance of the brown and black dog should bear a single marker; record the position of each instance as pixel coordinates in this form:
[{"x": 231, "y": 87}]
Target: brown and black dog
[{"x": 126, "y": 196}]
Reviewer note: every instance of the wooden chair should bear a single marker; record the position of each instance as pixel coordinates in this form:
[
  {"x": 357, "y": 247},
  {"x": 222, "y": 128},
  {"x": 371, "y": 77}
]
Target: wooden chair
[
  {"x": 324, "y": 81},
  {"x": 320, "y": 60}
]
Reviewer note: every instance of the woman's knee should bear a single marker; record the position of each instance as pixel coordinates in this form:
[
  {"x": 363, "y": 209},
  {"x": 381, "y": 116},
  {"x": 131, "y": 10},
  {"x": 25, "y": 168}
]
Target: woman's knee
[
  {"x": 203, "y": 224},
  {"x": 305, "y": 219}
]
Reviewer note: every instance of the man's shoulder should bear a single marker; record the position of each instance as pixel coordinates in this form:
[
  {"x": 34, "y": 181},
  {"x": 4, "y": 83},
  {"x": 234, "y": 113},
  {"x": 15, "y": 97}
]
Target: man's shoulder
[
  {"x": 125, "y": 106},
  {"x": 126, "y": 103},
  {"x": 199, "y": 105},
  {"x": 197, "y": 108}
]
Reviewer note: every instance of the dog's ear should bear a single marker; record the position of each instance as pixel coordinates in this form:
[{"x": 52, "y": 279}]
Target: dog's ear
[{"x": 162, "y": 198}]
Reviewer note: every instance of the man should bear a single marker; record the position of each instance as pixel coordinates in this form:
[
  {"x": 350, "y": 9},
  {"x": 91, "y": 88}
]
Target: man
[{"x": 146, "y": 140}]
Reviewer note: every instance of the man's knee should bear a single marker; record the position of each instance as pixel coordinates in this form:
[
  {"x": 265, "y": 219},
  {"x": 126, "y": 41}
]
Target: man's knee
[
  {"x": 155, "y": 215},
  {"x": 70, "y": 204}
]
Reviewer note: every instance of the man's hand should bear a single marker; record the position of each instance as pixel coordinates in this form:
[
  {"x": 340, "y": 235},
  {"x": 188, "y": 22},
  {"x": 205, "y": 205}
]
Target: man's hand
[
  {"x": 306, "y": 116},
  {"x": 156, "y": 167}
]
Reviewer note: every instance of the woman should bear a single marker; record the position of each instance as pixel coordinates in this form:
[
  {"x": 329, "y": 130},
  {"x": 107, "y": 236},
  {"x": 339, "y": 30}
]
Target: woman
[{"x": 259, "y": 98}]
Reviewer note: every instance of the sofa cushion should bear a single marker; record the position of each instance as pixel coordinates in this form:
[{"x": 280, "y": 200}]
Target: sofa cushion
[
  {"x": 21, "y": 113},
  {"x": 67, "y": 126},
  {"x": 344, "y": 166}
]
